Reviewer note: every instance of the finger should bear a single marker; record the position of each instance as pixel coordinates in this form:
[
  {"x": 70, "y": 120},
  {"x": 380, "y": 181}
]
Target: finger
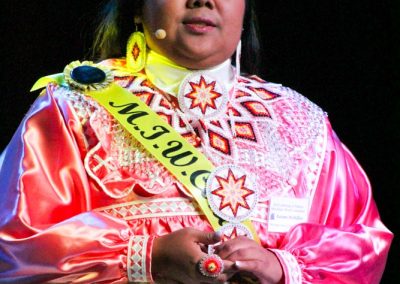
[
  {"x": 226, "y": 276},
  {"x": 245, "y": 254},
  {"x": 266, "y": 267},
  {"x": 203, "y": 247},
  {"x": 246, "y": 277},
  {"x": 166, "y": 281},
  {"x": 227, "y": 248},
  {"x": 223, "y": 278},
  {"x": 208, "y": 238},
  {"x": 229, "y": 266},
  {"x": 248, "y": 265}
]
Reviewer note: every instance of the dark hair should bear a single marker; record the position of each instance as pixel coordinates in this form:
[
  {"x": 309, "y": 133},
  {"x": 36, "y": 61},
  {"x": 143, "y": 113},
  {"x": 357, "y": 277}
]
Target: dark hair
[{"x": 116, "y": 23}]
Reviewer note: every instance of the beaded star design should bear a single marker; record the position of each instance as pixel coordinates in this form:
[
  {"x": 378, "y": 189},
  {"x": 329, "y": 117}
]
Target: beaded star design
[
  {"x": 233, "y": 192},
  {"x": 234, "y": 234},
  {"x": 203, "y": 95}
]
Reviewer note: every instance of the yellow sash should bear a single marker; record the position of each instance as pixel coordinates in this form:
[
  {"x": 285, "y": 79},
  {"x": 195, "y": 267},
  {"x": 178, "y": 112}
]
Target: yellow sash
[{"x": 182, "y": 159}]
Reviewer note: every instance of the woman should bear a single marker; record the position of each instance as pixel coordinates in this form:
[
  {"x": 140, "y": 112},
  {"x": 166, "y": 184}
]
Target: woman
[{"x": 84, "y": 200}]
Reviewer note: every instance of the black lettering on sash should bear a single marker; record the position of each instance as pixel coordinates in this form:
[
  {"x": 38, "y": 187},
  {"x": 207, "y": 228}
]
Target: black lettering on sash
[
  {"x": 128, "y": 109},
  {"x": 175, "y": 158},
  {"x": 153, "y": 136},
  {"x": 199, "y": 179},
  {"x": 220, "y": 221}
]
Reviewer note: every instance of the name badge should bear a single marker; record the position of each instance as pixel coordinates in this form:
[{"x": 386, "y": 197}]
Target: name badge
[{"x": 285, "y": 212}]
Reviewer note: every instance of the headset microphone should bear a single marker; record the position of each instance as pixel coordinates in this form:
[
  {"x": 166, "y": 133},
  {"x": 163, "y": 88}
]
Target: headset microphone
[{"x": 160, "y": 34}]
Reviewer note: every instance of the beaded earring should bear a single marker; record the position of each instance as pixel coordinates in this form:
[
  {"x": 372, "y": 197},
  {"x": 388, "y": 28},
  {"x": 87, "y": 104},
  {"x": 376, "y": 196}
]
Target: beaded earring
[{"x": 136, "y": 49}]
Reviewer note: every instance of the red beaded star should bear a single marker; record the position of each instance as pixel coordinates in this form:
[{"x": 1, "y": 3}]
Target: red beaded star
[
  {"x": 233, "y": 192},
  {"x": 234, "y": 234},
  {"x": 203, "y": 95}
]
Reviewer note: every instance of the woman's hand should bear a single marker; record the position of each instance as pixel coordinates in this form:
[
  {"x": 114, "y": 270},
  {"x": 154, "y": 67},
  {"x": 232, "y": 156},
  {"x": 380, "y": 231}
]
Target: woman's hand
[
  {"x": 176, "y": 255},
  {"x": 250, "y": 258}
]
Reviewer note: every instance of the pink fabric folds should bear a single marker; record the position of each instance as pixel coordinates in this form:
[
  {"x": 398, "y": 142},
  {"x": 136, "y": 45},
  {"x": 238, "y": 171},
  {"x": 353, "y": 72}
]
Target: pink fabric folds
[{"x": 59, "y": 223}]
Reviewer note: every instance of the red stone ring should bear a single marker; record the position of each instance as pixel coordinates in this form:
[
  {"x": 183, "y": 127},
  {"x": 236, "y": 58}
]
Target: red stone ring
[{"x": 211, "y": 265}]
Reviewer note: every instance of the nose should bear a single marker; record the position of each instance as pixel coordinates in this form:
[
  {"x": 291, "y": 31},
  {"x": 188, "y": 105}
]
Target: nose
[{"x": 192, "y": 4}]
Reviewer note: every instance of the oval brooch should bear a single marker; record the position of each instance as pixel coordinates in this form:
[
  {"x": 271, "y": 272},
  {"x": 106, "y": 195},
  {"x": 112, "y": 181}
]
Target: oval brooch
[{"x": 87, "y": 76}]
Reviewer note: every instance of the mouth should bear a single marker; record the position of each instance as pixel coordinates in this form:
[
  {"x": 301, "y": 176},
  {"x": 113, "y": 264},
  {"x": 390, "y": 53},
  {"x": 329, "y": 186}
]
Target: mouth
[{"x": 199, "y": 25}]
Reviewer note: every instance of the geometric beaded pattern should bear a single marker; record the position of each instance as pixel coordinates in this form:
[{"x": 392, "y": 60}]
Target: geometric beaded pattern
[
  {"x": 136, "y": 264},
  {"x": 162, "y": 207},
  {"x": 169, "y": 207},
  {"x": 268, "y": 129}
]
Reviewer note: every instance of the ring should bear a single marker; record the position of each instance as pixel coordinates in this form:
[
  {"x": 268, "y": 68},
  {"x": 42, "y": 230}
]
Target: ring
[{"x": 211, "y": 265}]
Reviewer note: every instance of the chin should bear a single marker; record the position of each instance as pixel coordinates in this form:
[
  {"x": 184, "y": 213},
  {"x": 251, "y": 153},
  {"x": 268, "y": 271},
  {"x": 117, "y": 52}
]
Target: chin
[
  {"x": 200, "y": 65},
  {"x": 199, "y": 61},
  {"x": 198, "y": 55}
]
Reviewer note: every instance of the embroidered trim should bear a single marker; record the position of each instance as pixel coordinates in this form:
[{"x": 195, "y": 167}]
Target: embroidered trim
[
  {"x": 168, "y": 207},
  {"x": 315, "y": 167},
  {"x": 137, "y": 256},
  {"x": 276, "y": 130},
  {"x": 164, "y": 207},
  {"x": 291, "y": 267},
  {"x": 108, "y": 165},
  {"x": 117, "y": 156}
]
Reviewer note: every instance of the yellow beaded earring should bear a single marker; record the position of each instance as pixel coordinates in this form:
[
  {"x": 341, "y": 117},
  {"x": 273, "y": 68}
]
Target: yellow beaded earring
[{"x": 136, "y": 49}]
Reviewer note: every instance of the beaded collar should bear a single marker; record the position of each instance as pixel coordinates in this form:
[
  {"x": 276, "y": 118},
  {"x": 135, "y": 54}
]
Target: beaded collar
[
  {"x": 168, "y": 76},
  {"x": 201, "y": 94}
]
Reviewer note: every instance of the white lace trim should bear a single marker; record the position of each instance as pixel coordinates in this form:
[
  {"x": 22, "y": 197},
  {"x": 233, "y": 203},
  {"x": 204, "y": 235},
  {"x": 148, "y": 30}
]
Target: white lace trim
[
  {"x": 285, "y": 140},
  {"x": 291, "y": 267},
  {"x": 168, "y": 207},
  {"x": 136, "y": 264},
  {"x": 314, "y": 168},
  {"x": 125, "y": 149},
  {"x": 163, "y": 207}
]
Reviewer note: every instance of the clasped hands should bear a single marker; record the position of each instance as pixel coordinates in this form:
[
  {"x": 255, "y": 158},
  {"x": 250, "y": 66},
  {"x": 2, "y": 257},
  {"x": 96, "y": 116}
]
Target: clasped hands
[{"x": 176, "y": 256}]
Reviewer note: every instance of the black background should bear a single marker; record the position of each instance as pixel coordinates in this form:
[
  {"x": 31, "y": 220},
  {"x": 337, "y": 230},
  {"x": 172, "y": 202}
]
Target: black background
[{"x": 341, "y": 54}]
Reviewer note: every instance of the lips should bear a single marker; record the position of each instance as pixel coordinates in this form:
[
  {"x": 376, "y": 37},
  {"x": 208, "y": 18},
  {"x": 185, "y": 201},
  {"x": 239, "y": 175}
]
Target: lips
[
  {"x": 199, "y": 25},
  {"x": 199, "y": 21}
]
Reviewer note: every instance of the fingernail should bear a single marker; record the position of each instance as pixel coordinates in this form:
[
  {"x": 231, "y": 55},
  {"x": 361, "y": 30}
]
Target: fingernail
[
  {"x": 217, "y": 235},
  {"x": 237, "y": 264}
]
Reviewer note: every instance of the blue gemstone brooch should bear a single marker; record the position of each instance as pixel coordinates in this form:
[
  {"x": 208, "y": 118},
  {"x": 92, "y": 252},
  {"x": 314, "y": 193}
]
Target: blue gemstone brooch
[{"x": 87, "y": 76}]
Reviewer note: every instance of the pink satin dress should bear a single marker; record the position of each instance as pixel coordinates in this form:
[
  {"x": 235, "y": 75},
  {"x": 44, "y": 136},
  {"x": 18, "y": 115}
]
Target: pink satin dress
[{"x": 81, "y": 201}]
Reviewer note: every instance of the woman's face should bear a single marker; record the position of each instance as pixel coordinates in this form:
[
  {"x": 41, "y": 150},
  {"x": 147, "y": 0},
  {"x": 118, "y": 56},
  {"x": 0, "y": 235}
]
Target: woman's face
[{"x": 200, "y": 34}]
